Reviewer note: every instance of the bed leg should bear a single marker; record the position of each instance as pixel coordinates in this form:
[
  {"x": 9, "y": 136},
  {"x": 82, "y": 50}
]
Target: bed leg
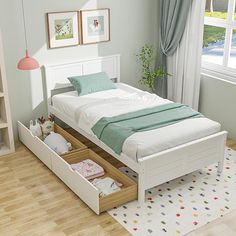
[
  {"x": 141, "y": 189},
  {"x": 222, "y": 156},
  {"x": 220, "y": 167},
  {"x": 141, "y": 196}
]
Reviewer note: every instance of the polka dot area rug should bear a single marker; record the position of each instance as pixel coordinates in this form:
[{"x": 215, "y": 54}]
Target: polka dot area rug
[{"x": 184, "y": 204}]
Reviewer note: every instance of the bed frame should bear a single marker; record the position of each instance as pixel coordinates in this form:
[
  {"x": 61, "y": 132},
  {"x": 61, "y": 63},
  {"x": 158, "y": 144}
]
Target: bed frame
[{"x": 155, "y": 169}]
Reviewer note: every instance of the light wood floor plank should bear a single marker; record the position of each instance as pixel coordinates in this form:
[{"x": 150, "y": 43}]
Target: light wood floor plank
[{"x": 33, "y": 201}]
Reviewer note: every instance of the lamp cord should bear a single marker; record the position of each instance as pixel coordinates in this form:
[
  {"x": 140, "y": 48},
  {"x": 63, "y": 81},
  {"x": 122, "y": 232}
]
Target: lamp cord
[{"x": 23, "y": 12}]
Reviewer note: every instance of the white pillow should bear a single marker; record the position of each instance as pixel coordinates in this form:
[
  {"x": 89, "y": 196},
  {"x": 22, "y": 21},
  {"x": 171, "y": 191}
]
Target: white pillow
[{"x": 57, "y": 143}]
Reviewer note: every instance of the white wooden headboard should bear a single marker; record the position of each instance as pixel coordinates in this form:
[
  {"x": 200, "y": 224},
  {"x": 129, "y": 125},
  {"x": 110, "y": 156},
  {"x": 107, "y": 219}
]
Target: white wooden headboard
[{"x": 56, "y": 75}]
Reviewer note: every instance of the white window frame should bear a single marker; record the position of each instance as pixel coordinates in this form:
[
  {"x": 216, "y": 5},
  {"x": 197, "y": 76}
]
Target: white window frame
[{"x": 229, "y": 24}]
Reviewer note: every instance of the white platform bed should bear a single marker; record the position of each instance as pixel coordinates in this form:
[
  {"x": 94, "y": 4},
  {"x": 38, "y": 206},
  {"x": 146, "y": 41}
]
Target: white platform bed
[{"x": 158, "y": 155}]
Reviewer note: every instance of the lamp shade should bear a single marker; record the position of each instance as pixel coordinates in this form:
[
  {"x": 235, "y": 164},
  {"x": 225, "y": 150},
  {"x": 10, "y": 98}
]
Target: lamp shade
[{"x": 27, "y": 63}]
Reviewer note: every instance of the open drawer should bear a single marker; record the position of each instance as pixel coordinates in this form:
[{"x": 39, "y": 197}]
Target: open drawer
[
  {"x": 40, "y": 149},
  {"x": 86, "y": 190}
]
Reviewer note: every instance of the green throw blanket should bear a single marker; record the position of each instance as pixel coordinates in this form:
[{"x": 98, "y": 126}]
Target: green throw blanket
[{"x": 113, "y": 131}]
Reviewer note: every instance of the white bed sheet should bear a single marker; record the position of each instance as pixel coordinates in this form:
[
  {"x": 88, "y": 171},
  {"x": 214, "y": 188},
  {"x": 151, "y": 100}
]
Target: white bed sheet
[{"x": 87, "y": 110}]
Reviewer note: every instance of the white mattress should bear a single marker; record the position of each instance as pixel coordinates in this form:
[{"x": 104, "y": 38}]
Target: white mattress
[{"x": 87, "y": 110}]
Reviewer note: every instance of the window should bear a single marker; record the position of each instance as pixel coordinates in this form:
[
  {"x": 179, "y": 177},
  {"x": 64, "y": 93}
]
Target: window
[{"x": 219, "y": 39}]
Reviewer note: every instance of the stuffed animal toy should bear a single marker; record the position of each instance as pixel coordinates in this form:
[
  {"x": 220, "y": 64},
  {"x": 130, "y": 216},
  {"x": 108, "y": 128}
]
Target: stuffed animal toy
[
  {"x": 57, "y": 143},
  {"x": 47, "y": 126},
  {"x": 35, "y": 128}
]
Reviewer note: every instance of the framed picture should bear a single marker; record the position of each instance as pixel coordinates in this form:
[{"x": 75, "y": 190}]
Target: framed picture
[
  {"x": 95, "y": 26},
  {"x": 63, "y": 29}
]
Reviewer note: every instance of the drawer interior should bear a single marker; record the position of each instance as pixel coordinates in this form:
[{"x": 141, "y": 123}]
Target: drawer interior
[
  {"x": 76, "y": 144},
  {"x": 128, "y": 190},
  {"x": 110, "y": 170}
]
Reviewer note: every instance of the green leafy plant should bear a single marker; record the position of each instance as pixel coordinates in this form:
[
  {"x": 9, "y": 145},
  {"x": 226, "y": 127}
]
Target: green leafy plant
[{"x": 149, "y": 72}]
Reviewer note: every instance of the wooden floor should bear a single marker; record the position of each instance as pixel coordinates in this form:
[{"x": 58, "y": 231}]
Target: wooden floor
[{"x": 33, "y": 201}]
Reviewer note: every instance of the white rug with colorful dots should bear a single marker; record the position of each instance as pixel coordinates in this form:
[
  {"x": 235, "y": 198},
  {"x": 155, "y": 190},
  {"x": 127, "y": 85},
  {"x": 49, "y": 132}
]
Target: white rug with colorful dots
[{"x": 184, "y": 204}]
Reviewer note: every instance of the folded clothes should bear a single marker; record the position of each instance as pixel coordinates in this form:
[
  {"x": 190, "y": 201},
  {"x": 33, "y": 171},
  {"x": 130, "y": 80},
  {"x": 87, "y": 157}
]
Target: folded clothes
[
  {"x": 106, "y": 186},
  {"x": 88, "y": 168}
]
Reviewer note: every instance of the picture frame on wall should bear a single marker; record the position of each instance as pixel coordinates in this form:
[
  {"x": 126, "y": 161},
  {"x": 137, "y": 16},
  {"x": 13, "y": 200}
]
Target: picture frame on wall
[
  {"x": 95, "y": 26},
  {"x": 63, "y": 29}
]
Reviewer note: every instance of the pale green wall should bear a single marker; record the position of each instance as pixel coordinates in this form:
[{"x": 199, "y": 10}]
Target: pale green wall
[
  {"x": 217, "y": 101},
  {"x": 132, "y": 25}
]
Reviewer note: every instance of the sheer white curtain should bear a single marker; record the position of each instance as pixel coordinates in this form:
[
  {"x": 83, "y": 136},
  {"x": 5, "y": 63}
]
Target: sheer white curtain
[{"x": 185, "y": 64}]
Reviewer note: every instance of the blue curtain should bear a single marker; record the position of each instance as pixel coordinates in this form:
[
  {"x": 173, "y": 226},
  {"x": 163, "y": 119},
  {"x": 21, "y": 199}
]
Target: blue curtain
[{"x": 172, "y": 20}]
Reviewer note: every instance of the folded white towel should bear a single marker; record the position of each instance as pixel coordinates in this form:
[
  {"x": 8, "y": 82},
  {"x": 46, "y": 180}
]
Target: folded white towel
[{"x": 106, "y": 186}]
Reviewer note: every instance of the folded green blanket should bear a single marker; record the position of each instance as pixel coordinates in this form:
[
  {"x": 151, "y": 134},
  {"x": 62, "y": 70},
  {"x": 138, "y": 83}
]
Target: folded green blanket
[{"x": 113, "y": 131}]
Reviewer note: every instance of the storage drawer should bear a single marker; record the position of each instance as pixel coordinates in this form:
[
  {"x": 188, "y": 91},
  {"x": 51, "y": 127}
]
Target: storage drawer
[
  {"x": 40, "y": 149},
  {"x": 85, "y": 190}
]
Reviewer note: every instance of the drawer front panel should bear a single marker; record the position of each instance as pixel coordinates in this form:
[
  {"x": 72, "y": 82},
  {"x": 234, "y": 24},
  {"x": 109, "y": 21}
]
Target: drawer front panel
[
  {"x": 78, "y": 184},
  {"x": 37, "y": 146}
]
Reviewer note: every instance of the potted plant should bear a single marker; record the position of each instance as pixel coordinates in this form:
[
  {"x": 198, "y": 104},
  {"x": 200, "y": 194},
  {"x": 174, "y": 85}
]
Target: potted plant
[{"x": 149, "y": 72}]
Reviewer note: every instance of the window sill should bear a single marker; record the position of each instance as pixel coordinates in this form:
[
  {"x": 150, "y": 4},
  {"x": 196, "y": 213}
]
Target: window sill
[{"x": 219, "y": 72}]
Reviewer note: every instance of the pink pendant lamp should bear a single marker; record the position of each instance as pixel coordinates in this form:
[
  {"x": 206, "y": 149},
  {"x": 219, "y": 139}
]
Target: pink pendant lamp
[{"x": 27, "y": 63}]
